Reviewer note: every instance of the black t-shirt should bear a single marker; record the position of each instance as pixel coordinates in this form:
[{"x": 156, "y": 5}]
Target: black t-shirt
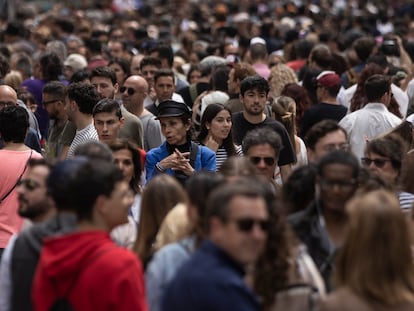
[
  {"x": 241, "y": 126},
  {"x": 321, "y": 112}
]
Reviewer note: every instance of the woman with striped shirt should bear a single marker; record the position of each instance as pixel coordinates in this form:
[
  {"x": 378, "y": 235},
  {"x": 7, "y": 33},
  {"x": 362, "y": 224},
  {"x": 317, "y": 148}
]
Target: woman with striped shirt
[{"x": 215, "y": 133}]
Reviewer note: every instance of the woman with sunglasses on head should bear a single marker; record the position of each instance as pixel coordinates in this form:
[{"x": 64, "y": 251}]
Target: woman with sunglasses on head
[
  {"x": 383, "y": 157},
  {"x": 216, "y": 133},
  {"x": 178, "y": 155},
  {"x": 374, "y": 267}
]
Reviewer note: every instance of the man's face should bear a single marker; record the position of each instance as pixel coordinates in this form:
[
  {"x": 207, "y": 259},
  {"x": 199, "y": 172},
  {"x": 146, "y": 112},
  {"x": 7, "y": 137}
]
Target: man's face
[
  {"x": 232, "y": 84},
  {"x": 240, "y": 241},
  {"x": 148, "y": 73},
  {"x": 107, "y": 125},
  {"x": 105, "y": 87},
  {"x": 32, "y": 193},
  {"x": 115, "y": 49},
  {"x": 53, "y": 105},
  {"x": 8, "y": 96},
  {"x": 116, "y": 206},
  {"x": 332, "y": 141},
  {"x": 254, "y": 102},
  {"x": 139, "y": 89},
  {"x": 164, "y": 87},
  {"x": 264, "y": 159},
  {"x": 337, "y": 185},
  {"x": 135, "y": 62}
]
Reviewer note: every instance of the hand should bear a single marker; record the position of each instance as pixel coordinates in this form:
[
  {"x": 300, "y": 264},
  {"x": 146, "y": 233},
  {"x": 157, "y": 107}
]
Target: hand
[
  {"x": 211, "y": 143},
  {"x": 183, "y": 163}
]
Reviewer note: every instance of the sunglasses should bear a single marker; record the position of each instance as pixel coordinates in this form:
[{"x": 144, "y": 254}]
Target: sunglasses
[
  {"x": 269, "y": 161},
  {"x": 341, "y": 184},
  {"x": 377, "y": 162},
  {"x": 246, "y": 224},
  {"x": 129, "y": 90},
  {"x": 29, "y": 184}
]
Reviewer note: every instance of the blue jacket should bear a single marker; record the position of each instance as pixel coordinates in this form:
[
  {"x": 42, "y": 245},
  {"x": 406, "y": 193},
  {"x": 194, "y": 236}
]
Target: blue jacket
[
  {"x": 205, "y": 160},
  {"x": 209, "y": 280}
]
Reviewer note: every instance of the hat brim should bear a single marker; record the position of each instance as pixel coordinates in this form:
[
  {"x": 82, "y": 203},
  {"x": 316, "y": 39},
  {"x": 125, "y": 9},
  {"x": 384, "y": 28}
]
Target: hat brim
[{"x": 168, "y": 115}]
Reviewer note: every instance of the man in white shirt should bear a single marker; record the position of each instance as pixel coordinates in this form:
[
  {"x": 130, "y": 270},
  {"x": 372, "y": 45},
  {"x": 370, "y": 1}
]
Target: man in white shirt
[{"x": 372, "y": 120}]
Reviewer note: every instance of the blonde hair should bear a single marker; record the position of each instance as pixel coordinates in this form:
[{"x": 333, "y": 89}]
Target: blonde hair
[
  {"x": 280, "y": 75},
  {"x": 13, "y": 79},
  {"x": 284, "y": 108},
  {"x": 375, "y": 261}
]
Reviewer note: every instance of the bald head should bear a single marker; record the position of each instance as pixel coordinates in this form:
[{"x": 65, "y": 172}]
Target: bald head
[
  {"x": 133, "y": 92},
  {"x": 8, "y": 96}
]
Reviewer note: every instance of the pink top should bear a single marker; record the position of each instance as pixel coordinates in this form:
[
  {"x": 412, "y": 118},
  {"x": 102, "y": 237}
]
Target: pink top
[{"x": 12, "y": 164}]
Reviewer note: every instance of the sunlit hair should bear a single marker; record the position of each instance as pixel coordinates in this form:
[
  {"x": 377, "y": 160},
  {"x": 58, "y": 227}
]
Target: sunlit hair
[
  {"x": 375, "y": 261},
  {"x": 284, "y": 109},
  {"x": 281, "y": 75},
  {"x": 161, "y": 194}
]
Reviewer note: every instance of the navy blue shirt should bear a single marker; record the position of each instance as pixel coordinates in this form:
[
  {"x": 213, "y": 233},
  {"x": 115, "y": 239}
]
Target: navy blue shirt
[{"x": 209, "y": 280}]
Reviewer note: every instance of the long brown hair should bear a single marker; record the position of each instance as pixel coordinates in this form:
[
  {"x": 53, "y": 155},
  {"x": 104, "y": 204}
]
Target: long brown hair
[
  {"x": 161, "y": 194},
  {"x": 375, "y": 261}
]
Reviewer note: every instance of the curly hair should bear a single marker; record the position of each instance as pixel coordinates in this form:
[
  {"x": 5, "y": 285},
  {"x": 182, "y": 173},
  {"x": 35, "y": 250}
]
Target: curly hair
[{"x": 281, "y": 75}]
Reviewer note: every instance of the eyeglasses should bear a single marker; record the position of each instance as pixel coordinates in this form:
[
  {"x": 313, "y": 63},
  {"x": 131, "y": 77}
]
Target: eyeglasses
[
  {"x": 5, "y": 104},
  {"x": 50, "y": 102},
  {"x": 269, "y": 161},
  {"x": 333, "y": 147},
  {"x": 129, "y": 90},
  {"x": 29, "y": 184},
  {"x": 341, "y": 184},
  {"x": 246, "y": 224},
  {"x": 377, "y": 162}
]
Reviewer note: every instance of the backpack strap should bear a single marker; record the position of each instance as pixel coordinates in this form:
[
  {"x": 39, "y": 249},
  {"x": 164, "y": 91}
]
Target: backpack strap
[
  {"x": 193, "y": 153},
  {"x": 18, "y": 179}
]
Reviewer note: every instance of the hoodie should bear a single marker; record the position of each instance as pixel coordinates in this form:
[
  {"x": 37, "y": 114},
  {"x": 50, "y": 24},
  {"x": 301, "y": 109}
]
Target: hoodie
[
  {"x": 91, "y": 272},
  {"x": 25, "y": 256}
]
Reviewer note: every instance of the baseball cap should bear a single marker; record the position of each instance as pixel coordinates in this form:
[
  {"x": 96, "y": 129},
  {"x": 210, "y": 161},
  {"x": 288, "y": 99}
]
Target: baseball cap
[
  {"x": 328, "y": 79},
  {"x": 76, "y": 62}
]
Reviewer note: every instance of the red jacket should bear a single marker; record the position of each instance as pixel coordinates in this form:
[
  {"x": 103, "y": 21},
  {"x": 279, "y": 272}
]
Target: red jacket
[{"x": 91, "y": 272}]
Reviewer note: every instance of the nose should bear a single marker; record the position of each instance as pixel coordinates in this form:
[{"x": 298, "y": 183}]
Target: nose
[
  {"x": 258, "y": 233},
  {"x": 105, "y": 127}
]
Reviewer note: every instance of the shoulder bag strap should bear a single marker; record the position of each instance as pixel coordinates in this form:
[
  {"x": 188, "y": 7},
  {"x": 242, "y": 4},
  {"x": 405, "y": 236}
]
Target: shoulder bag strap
[
  {"x": 18, "y": 179},
  {"x": 193, "y": 153}
]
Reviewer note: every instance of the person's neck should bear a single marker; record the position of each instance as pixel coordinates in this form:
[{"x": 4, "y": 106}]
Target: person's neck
[
  {"x": 92, "y": 226},
  {"x": 329, "y": 100},
  {"x": 83, "y": 121},
  {"x": 254, "y": 119},
  {"x": 15, "y": 146},
  {"x": 334, "y": 217},
  {"x": 139, "y": 110},
  {"x": 41, "y": 218}
]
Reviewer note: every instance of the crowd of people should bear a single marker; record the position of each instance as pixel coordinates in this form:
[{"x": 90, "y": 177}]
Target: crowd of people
[{"x": 206, "y": 155}]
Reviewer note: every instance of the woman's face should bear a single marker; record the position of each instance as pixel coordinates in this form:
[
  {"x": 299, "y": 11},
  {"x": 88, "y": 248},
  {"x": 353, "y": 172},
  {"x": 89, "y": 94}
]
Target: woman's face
[
  {"x": 123, "y": 159},
  {"x": 381, "y": 166},
  {"x": 119, "y": 72},
  {"x": 174, "y": 130},
  {"x": 194, "y": 76},
  {"x": 220, "y": 126}
]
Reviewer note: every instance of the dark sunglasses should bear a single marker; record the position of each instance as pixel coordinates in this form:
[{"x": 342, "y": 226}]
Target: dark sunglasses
[
  {"x": 246, "y": 224},
  {"x": 268, "y": 160},
  {"x": 29, "y": 184},
  {"x": 377, "y": 162},
  {"x": 130, "y": 90}
]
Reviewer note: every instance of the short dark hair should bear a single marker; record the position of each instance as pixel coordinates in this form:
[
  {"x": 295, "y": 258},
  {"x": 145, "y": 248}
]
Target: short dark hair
[
  {"x": 258, "y": 51},
  {"x": 108, "y": 105},
  {"x": 94, "y": 149},
  {"x": 124, "y": 63},
  {"x": 164, "y": 73},
  {"x": 363, "y": 47},
  {"x": 339, "y": 157},
  {"x": 104, "y": 72},
  {"x": 150, "y": 61},
  {"x": 376, "y": 86},
  {"x": 164, "y": 52},
  {"x": 51, "y": 66},
  {"x": 55, "y": 88},
  {"x": 319, "y": 130},
  {"x": 85, "y": 95},
  {"x": 255, "y": 82},
  {"x": 92, "y": 179},
  {"x": 219, "y": 200},
  {"x": 14, "y": 122},
  {"x": 80, "y": 76},
  {"x": 261, "y": 136}
]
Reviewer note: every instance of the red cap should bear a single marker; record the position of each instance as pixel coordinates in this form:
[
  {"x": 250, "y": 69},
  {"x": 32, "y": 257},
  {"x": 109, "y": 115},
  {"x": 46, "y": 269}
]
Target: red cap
[{"x": 329, "y": 79}]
